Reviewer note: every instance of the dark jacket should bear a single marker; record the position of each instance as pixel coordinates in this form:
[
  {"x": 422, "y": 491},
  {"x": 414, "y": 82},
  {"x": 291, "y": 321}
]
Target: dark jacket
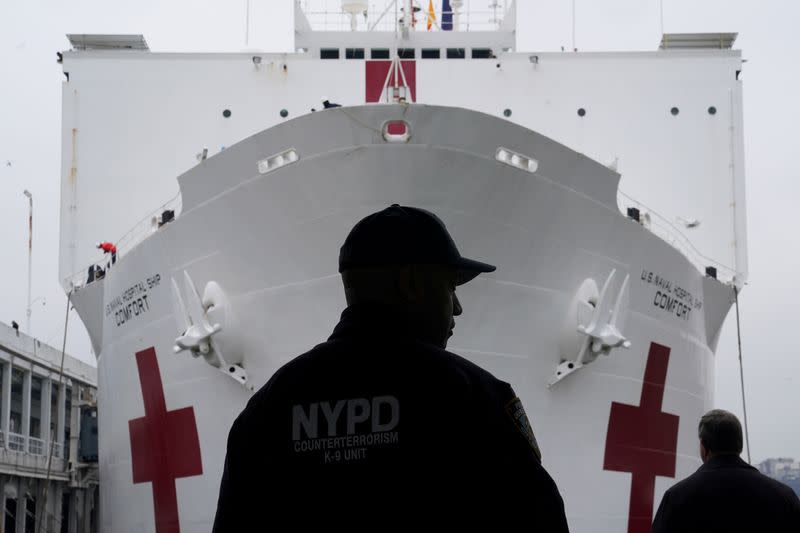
[
  {"x": 728, "y": 495},
  {"x": 376, "y": 420}
]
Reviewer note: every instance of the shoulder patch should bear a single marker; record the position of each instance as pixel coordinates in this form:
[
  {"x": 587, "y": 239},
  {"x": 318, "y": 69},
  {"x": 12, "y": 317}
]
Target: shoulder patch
[{"x": 515, "y": 410}]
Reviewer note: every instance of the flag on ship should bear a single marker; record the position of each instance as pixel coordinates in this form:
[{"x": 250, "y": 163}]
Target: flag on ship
[{"x": 447, "y": 16}]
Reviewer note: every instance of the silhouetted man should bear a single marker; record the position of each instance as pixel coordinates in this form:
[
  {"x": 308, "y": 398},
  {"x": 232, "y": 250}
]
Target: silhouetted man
[
  {"x": 726, "y": 494},
  {"x": 380, "y": 419}
]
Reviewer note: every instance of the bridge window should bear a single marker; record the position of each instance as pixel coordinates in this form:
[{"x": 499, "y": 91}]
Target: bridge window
[
  {"x": 455, "y": 53},
  {"x": 482, "y": 53},
  {"x": 354, "y": 53},
  {"x": 380, "y": 53},
  {"x": 329, "y": 53},
  {"x": 430, "y": 53},
  {"x": 406, "y": 53}
]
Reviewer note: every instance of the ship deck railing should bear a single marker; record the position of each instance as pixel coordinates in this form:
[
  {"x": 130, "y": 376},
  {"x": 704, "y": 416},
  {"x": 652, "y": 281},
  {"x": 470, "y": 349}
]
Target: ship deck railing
[
  {"x": 671, "y": 234},
  {"x": 654, "y": 221},
  {"x": 382, "y": 16},
  {"x": 146, "y": 227}
]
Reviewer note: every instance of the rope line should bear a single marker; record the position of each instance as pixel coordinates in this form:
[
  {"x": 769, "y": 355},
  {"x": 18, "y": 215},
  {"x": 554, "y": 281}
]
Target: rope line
[
  {"x": 60, "y": 388},
  {"x": 741, "y": 370}
]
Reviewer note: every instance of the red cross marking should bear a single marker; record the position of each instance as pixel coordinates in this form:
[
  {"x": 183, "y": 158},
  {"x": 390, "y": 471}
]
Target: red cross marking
[
  {"x": 375, "y": 77},
  {"x": 164, "y": 444},
  {"x": 643, "y": 440}
]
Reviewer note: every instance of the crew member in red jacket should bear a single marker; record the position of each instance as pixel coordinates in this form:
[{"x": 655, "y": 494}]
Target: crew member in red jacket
[{"x": 109, "y": 248}]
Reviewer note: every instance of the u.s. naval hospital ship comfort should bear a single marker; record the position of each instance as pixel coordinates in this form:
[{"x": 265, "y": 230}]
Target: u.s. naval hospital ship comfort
[{"x": 608, "y": 188}]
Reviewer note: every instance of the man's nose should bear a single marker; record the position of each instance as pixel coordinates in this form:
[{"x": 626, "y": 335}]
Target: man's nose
[{"x": 456, "y": 305}]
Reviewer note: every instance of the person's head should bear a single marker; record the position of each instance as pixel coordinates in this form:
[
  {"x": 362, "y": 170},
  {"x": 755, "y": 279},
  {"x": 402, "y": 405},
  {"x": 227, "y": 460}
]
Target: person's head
[
  {"x": 720, "y": 434},
  {"x": 405, "y": 258}
]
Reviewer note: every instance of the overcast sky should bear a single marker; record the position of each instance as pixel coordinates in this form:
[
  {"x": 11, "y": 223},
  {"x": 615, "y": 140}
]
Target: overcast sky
[{"x": 32, "y": 31}]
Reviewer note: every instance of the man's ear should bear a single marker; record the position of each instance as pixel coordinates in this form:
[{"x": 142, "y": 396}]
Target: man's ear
[{"x": 409, "y": 283}]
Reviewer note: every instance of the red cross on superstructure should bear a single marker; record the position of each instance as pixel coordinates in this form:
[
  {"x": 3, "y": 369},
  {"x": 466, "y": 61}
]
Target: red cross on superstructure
[
  {"x": 375, "y": 73},
  {"x": 164, "y": 444},
  {"x": 643, "y": 440}
]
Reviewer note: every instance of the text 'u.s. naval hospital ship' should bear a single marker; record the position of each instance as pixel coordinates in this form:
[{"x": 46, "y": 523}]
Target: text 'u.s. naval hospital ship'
[{"x": 608, "y": 188}]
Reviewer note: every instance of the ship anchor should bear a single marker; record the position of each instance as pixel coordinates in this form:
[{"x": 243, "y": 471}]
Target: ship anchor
[
  {"x": 199, "y": 329},
  {"x": 601, "y": 333}
]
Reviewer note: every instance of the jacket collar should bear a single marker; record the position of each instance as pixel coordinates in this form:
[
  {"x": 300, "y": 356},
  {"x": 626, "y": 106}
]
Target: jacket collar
[
  {"x": 725, "y": 461},
  {"x": 374, "y": 320}
]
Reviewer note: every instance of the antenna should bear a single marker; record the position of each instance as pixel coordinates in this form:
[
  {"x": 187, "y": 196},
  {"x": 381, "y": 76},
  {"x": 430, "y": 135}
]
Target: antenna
[
  {"x": 455, "y": 7},
  {"x": 494, "y": 5},
  {"x": 574, "y": 48},
  {"x": 247, "y": 25},
  {"x": 29, "y": 195}
]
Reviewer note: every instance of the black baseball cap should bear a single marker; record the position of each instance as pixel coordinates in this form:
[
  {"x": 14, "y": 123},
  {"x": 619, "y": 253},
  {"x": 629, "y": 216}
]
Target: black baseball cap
[{"x": 402, "y": 235}]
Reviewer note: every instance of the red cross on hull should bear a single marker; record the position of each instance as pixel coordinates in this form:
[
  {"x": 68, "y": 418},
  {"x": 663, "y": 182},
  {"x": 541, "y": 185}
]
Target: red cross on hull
[
  {"x": 643, "y": 440},
  {"x": 164, "y": 444}
]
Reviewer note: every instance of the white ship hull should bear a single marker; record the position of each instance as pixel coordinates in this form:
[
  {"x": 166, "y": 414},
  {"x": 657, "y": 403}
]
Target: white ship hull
[{"x": 271, "y": 241}]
